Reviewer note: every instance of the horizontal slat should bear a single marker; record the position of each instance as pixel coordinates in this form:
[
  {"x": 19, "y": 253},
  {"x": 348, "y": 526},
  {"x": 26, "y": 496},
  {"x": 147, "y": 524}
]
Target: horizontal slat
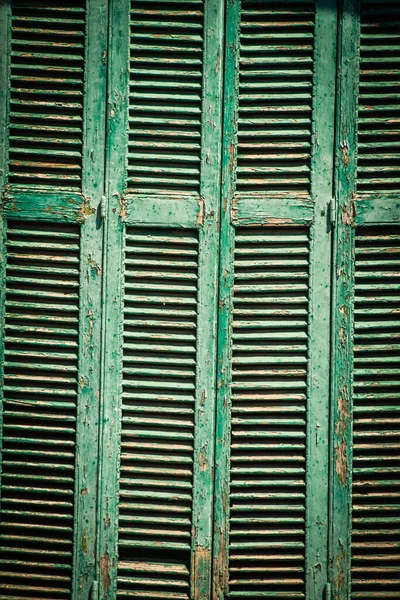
[
  {"x": 163, "y": 211},
  {"x": 371, "y": 211},
  {"x": 49, "y": 206},
  {"x": 261, "y": 209}
]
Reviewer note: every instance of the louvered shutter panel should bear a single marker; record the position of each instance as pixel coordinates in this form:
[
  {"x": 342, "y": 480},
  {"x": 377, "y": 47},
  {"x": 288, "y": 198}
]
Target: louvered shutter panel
[
  {"x": 268, "y": 410},
  {"x": 379, "y": 101},
  {"x": 366, "y": 480},
  {"x": 51, "y": 284},
  {"x": 165, "y": 97},
  {"x": 161, "y": 294},
  {"x": 273, "y": 381},
  {"x": 46, "y": 94},
  {"x": 376, "y": 425}
]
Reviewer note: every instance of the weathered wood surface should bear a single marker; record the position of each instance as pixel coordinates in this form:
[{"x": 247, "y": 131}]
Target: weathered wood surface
[{"x": 190, "y": 361}]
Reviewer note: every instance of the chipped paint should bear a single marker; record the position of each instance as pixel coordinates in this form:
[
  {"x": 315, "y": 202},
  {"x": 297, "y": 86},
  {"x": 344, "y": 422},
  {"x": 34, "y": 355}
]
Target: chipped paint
[
  {"x": 90, "y": 317},
  {"x": 95, "y": 267},
  {"x": 343, "y": 411},
  {"x": 345, "y": 152},
  {"x": 341, "y": 462},
  {"x": 280, "y": 211},
  {"x": 86, "y": 209},
  {"x": 123, "y": 210},
  {"x": 105, "y": 573},
  {"x": 200, "y": 215},
  {"x": 85, "y": 541},
  {"x": 220, "y": 578},
  {"x": 200, "y": 571},
  {"x": 349, "y": 213},
  {"x": 203, "y": 461}
]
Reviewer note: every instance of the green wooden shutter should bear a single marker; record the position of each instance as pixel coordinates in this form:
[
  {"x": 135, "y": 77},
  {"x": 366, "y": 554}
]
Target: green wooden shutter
[
  {"x": 148, "y": 372},
  {"x": 51, "y": 275},
  {"x": 366, "y": 460},
  {"x": 376, "y": 430},
  {"x": 271, "y": 495},
  {"x": 161, "y": 296}
]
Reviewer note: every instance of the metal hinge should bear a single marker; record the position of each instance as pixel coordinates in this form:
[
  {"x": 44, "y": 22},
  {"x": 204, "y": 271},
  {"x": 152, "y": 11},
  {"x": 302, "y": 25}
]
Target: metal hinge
[
  {"x": 332, "y": 211},
  {"x": 103, "y": 207},
  {"x": 328, "y": 591},
  {"x": 95, "y": 591}
]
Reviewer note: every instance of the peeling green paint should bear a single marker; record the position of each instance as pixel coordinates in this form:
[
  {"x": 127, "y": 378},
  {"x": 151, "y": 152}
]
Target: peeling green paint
[{"x": 146, "y": 155}]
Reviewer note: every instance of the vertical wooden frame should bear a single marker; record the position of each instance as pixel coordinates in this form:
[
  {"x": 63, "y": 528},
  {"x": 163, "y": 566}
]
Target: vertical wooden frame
[
  {"x": 77, "y": 208},
  {"x": 342, "y": 324},
  {"x": 5, "y": 22},
  {"x": 115, "y": 187},
  {"x": 315, "y": 212},
  {"x": 225, "y": 307},
  {"x": 322, "y": 165},
  {"x": 90, "y": 322},
  {"x": 207, "y": 300},
  {"x": 203, "y": 214}
]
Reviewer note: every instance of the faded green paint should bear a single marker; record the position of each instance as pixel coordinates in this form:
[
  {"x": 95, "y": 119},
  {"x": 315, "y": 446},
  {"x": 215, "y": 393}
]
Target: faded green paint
[
  {"x": 86, "y": 491},
  {"x": 55, "y": 207},
  {"x": 322, "y": 166},
  {"x": 213, "y": 195},
  {"x": 362, "y": 201},
  {"x": 222, "y": 432},
  {"x": 35, "y": 205},
  {"x": 208, "y": 228},
  {"x": 163, "y": 210},
  {"x": 342, "y": 346},
  {"x": 113, "y": 268},
  {"x": 280, "y": 210}
]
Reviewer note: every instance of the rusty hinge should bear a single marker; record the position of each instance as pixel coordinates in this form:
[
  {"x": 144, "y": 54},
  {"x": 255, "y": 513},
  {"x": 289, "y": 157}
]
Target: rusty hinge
[
  {"x": 95, "y": 591},
  {"x": 328, "y": 591},
  {"x": 103, "y": 207},
  {"x": 332, "y": 211}
]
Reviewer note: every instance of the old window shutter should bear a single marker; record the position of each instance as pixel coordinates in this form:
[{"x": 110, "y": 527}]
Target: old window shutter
[
  {"x": 271, "y": 485},
  {"x": 366, "y": 460},
  {"x": 161, "y": 294},
  {"x": 146, "y": 379},
  {"x": 51, "y": 283}
]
